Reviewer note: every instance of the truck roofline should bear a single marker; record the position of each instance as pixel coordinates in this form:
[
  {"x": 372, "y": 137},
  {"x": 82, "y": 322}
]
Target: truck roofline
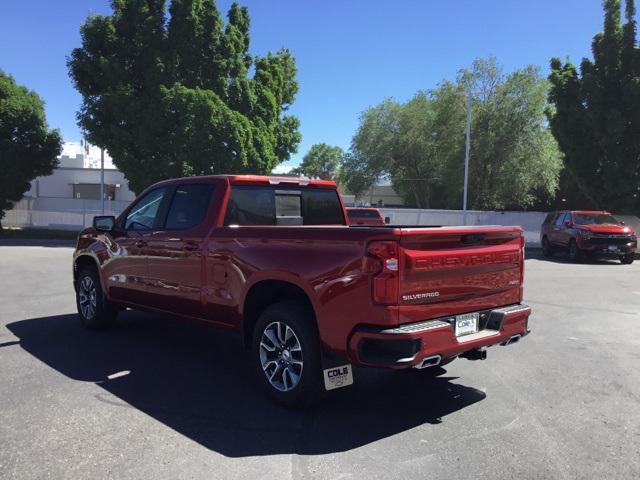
[{"x": 254, "y": 180}]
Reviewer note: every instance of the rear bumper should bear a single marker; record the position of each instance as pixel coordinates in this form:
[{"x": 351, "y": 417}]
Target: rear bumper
[{"x": 407, "y": 345}]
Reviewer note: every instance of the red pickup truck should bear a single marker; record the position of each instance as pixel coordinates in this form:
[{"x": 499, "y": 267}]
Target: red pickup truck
[{"x": 274, "y": 260}]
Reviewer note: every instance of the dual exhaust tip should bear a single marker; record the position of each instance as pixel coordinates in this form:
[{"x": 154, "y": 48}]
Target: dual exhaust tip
[
  {"x": 475, "y": 354},
  {"x": 432, "y": 361},
  {"x": 512, "y": 340}
]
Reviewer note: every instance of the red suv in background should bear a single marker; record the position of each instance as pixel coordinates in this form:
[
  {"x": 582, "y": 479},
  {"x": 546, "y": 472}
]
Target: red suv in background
[
  {"x": 365, "y": 216},
  {"x": 588, "y": 233}
]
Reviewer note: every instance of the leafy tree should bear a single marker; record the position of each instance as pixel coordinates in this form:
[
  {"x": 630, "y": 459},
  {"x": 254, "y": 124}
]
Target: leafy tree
[
  {"x": 28, "y": 148},
  {"x": 419, "y": 145},
  {"x": 172, "y": 98},
  {"x": 369, "y": 158},
  {"x": 596, "y": 118},
  {"x": 514, "y": 157},
  {"x": 321, "y": 161}
]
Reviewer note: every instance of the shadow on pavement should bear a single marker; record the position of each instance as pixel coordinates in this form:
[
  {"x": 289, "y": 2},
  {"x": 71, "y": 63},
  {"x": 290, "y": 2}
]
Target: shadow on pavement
[
  {"x": 198, "y": 382},
  {"x": 563, "y": 257}
]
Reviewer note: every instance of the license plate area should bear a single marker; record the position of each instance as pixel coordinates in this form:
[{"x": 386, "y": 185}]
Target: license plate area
[{"x": 466, "y": 324}]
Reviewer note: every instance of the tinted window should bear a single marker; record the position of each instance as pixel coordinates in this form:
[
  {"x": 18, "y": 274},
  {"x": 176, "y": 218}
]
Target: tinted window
[
  {"x": 188, "y": 206},
  {"x": 143, "y": 214},
  {"x": 321, "y": 207},
  {"x": 363, "y": 214},
  {"x": 271, "y": 206},
  {"x": 562, "y": 217},
  {"x": 550, "y": 217},
  {"x": 251, "y": 206}
]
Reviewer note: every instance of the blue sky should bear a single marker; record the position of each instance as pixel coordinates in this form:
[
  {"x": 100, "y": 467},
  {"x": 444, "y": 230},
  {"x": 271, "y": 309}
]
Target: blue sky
[{"x": 350, "y": 53}]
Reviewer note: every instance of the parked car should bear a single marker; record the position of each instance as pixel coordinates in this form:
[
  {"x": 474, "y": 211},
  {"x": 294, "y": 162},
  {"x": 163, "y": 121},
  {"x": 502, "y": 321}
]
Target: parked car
[
  {"x": 588, "y": 233},
  {"x": 274, "y": 260},
  {"x": 364, "y": 216}
]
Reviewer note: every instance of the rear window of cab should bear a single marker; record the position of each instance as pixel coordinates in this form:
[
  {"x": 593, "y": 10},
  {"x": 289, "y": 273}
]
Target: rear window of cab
[{"x": 275, "y": 205}]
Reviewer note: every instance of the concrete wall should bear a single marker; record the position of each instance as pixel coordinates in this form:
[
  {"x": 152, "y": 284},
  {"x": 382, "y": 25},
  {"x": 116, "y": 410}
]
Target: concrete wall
[
  {"x": 529, "y": 221},
  {"x": 59, "y": 213}
]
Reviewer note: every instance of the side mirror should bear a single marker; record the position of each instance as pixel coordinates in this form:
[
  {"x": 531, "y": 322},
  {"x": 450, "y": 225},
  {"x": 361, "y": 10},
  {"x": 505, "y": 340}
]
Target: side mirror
[
  {"x": 622, "y": 223},
  {"x": 104, "y": 223},
  {"x": 387, "y": 220},
  {"x": 568, "y": 224}
]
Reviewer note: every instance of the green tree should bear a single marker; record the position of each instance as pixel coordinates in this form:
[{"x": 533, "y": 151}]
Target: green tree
[
  {"x": 370, "y": 155},
  {"x": 419, "y": 145},
  {"x": 28, "y": 148},
  {"x": 515, "y": 160},
  {"x": 596, "y": 118},
  {"x": 321, "y": 161},
  {"x": 172, "y": 98}
]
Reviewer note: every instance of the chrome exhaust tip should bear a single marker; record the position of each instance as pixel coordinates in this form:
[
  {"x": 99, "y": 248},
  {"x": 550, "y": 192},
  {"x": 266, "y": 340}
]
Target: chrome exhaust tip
[
  {"x": 427, "y": 362},
  {"x": 512, "y": 340}
]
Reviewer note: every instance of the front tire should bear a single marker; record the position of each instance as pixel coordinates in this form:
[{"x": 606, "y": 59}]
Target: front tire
[
  {"x": 95, "y": 311},
  {"x": 627, "y": 259},
  {"x": 575, "y": 254},
  {"x": 547, "y": 251},
  {"x": 286, "y": 354}
]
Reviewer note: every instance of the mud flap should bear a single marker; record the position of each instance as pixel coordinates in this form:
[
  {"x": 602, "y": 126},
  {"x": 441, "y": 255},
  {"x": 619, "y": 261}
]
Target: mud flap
[{"x": 337, "y": 372}]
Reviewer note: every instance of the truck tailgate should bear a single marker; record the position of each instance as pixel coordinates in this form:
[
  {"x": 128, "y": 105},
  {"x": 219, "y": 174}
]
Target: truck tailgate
[{"x": 454, "y": 264}]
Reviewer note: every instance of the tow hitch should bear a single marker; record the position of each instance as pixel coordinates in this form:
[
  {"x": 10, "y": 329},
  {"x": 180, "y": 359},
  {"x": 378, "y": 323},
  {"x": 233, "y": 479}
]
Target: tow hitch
[{"x": 475, "y": 354}]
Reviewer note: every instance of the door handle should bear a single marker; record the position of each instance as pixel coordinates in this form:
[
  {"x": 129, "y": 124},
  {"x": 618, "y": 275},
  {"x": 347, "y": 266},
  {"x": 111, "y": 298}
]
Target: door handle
[{"x": 140, "y": 243}]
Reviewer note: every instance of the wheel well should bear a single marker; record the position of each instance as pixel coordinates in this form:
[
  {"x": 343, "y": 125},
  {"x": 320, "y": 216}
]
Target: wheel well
[
  {"x": 264, "y": 294},
  {"x": 81, "y": 262}
]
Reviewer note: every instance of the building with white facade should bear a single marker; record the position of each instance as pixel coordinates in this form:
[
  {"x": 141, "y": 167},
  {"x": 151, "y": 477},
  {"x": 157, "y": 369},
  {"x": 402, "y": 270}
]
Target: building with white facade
[
  {"x": 78, "y": 177},
  {"x": 70, "y": 197}
]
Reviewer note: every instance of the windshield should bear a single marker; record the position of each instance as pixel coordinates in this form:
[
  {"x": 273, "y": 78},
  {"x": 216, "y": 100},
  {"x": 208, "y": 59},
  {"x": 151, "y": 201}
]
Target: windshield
[{"x": 594, "y": 219}]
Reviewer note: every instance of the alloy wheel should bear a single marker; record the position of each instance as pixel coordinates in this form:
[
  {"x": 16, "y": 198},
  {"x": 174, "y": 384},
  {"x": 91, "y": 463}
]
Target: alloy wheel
[
  {"x": 281, "y": 356},
  {"x": 88, "y": 297}
]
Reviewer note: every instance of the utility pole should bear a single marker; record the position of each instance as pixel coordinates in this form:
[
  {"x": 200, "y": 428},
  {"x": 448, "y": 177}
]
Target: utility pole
[
  {"x": 102, "y": 179},
  {"x": 466, "y": 158}
]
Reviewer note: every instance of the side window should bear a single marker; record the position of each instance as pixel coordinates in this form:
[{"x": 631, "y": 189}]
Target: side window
[
  {"x": 143, "y": 214},
  {"x": 550, "y": 218},
  {"x": 188, "y": 206},
  {"x": 561, "y": 219}
]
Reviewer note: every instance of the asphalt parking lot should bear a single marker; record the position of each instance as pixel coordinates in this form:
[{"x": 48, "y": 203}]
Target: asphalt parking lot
[{"x": 156, "y": 399}]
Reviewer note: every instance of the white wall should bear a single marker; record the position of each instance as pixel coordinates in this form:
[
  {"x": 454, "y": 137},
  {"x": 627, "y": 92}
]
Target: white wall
[{"x": 529, "y": 221}]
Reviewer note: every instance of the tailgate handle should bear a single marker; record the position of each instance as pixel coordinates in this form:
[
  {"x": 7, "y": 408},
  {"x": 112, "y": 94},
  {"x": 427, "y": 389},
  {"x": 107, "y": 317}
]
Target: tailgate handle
[{"x": 473, "y": 238}]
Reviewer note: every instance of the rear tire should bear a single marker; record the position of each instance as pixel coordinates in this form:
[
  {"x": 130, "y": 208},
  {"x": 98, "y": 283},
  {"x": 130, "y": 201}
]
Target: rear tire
[
  {"x": 547, "y": 250},
  {"x": 286, "y": 354},
  {"x": 627, "y": 259},
  {"x": 95, "y": 311}
]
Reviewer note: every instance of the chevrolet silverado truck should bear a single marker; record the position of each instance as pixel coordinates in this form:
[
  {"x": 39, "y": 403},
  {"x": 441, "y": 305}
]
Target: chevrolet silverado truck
[{"x": 274, "y": 260}]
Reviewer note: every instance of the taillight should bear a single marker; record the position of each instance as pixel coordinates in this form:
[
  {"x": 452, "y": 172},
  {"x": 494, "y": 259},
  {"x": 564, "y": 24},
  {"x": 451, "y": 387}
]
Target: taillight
[{"x": 385, "y": 282}]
